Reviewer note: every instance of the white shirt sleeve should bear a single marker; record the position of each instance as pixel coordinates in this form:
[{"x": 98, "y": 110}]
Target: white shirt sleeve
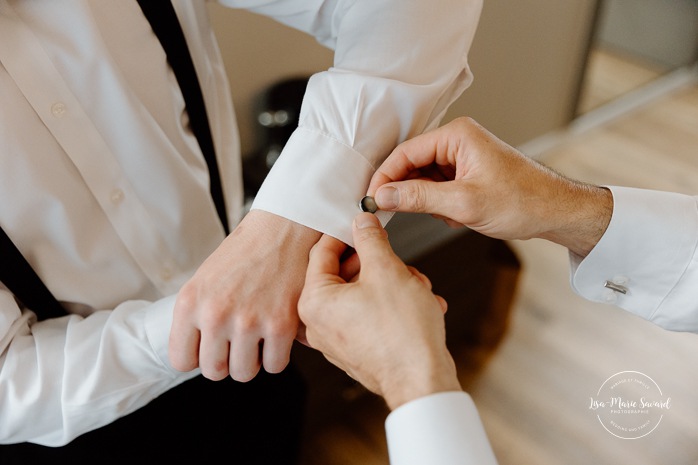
[
  {"x": 649, "y": 250},
  {"x": 398, "y": 65},
  {"x": 123, "y": 365},
  {"x": 442, "y": 428},
  {"x": 98, "y": 241}
]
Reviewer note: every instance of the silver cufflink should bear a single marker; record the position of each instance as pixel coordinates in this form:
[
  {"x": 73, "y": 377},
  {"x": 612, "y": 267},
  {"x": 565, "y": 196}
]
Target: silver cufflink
[
  {"x": 368, "y": 204},
  {"x": 615, "y": 287}
]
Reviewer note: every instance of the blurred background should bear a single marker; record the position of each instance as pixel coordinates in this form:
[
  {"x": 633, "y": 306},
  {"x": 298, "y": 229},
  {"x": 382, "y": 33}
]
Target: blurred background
[{"x": 602, "y": 90}]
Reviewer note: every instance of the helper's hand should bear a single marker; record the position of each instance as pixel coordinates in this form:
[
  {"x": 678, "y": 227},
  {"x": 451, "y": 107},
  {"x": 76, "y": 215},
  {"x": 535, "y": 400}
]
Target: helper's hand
[
  {"x": 239, "y": 311},
  {"x": 491, "y": 188},
  {"x": 384, "y": 327}
]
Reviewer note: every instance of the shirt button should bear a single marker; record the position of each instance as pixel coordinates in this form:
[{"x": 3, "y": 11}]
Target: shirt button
[
  {"x": 167, "y": 270},
  {"x": 117, "y": 196},
  {"x": 166, "y": 274},
  {"x": 58, "y": 109}
]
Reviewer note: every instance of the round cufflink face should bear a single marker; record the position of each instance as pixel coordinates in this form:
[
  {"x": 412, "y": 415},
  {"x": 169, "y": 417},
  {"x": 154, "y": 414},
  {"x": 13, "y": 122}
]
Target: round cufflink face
[{"x": 368, "y": 204}]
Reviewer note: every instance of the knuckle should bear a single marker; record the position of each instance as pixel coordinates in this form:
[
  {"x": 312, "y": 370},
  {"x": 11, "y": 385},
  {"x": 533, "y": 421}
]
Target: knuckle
[
  {"x": 305, "y": 303},
  {"x": 213, "y": 318},
  {"x": 417, "y": 197},
  {"x": 186, "y": 298},
  {"x": 371, "y": 233},
  {"x": 246, "y": 322},
  {"x": 310, "y": 304},
  {"x": 466, "y": 123},
  {"x": 278, "y": 330}
]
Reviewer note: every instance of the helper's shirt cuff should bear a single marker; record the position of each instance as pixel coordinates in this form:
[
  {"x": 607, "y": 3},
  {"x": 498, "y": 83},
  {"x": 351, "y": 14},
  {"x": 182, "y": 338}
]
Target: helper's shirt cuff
[
  {"x": 442, "y": 428},
  {"x": 646, "y": 250}
]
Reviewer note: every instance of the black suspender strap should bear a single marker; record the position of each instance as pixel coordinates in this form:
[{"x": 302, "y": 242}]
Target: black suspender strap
[
  {"x": 163, "y": 20},
  {"x": 19, "y": 277},
  {"x": 15, "y": 272}
]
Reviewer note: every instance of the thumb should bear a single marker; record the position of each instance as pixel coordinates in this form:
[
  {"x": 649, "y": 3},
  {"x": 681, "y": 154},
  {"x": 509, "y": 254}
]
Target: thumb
[
  {"x": 371, "y": 241},
  {"x": 418, "y": 196}
]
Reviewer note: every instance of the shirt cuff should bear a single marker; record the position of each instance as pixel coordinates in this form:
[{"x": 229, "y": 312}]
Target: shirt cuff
[
  {"x": 317, "y": 182},
  {"x": 442, "y": 428},
  {"x": 649, "y": 244}
]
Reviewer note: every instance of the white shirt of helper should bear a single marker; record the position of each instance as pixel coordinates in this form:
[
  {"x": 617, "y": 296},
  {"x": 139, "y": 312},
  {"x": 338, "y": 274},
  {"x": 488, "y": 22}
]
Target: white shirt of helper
[
  {"x": 650, "y": 249},
  {"x": 97, "y": 135}
]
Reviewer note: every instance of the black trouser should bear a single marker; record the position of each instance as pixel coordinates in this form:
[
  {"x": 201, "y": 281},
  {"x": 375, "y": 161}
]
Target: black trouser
[{"x": 200, "y": 421}]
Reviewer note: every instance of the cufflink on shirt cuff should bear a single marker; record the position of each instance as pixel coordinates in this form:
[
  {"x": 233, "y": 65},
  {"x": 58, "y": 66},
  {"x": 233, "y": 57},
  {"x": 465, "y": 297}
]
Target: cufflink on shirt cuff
[{"x": 615, "y": 287}]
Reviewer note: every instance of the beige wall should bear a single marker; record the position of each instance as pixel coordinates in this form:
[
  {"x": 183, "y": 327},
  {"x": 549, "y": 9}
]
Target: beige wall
[
  {"x": 527, "y": 58},
  {"x": 258, "y": 52}
]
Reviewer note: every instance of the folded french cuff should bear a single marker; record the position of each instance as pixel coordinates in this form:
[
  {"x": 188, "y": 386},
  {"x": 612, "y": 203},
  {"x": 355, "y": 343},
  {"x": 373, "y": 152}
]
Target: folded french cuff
[
  {"x": 317, "y": 182},
  {"x": 649, "y": 244}
]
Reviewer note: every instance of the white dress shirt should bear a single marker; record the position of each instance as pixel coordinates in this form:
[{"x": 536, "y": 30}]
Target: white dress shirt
[
  {"x": 648, "y": 254},
  {"x": 442, "y": 428},
  {"x": 105, "y": 191},
  {"x": 648, "y": 251}
]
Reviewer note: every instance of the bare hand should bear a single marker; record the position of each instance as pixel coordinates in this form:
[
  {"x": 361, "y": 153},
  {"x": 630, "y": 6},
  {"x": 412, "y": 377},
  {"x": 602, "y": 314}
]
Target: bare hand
[
  {"x": 239, "y": 311},
  {"x": 466, "y": 176},
  {"x": 384, "y": 327}
]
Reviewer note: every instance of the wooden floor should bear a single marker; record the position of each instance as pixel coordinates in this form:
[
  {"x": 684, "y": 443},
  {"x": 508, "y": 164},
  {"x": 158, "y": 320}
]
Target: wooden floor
[
  {"x": 561, "y": 348},
  {"x": 610, "y": 75},
  {"x": 533, "y": 396}
]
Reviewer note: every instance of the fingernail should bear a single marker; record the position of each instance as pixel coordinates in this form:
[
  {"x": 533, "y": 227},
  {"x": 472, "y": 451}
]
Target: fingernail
[
  {"x": 388, "y": 198},
  {"x": 366, "y": 220}
]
